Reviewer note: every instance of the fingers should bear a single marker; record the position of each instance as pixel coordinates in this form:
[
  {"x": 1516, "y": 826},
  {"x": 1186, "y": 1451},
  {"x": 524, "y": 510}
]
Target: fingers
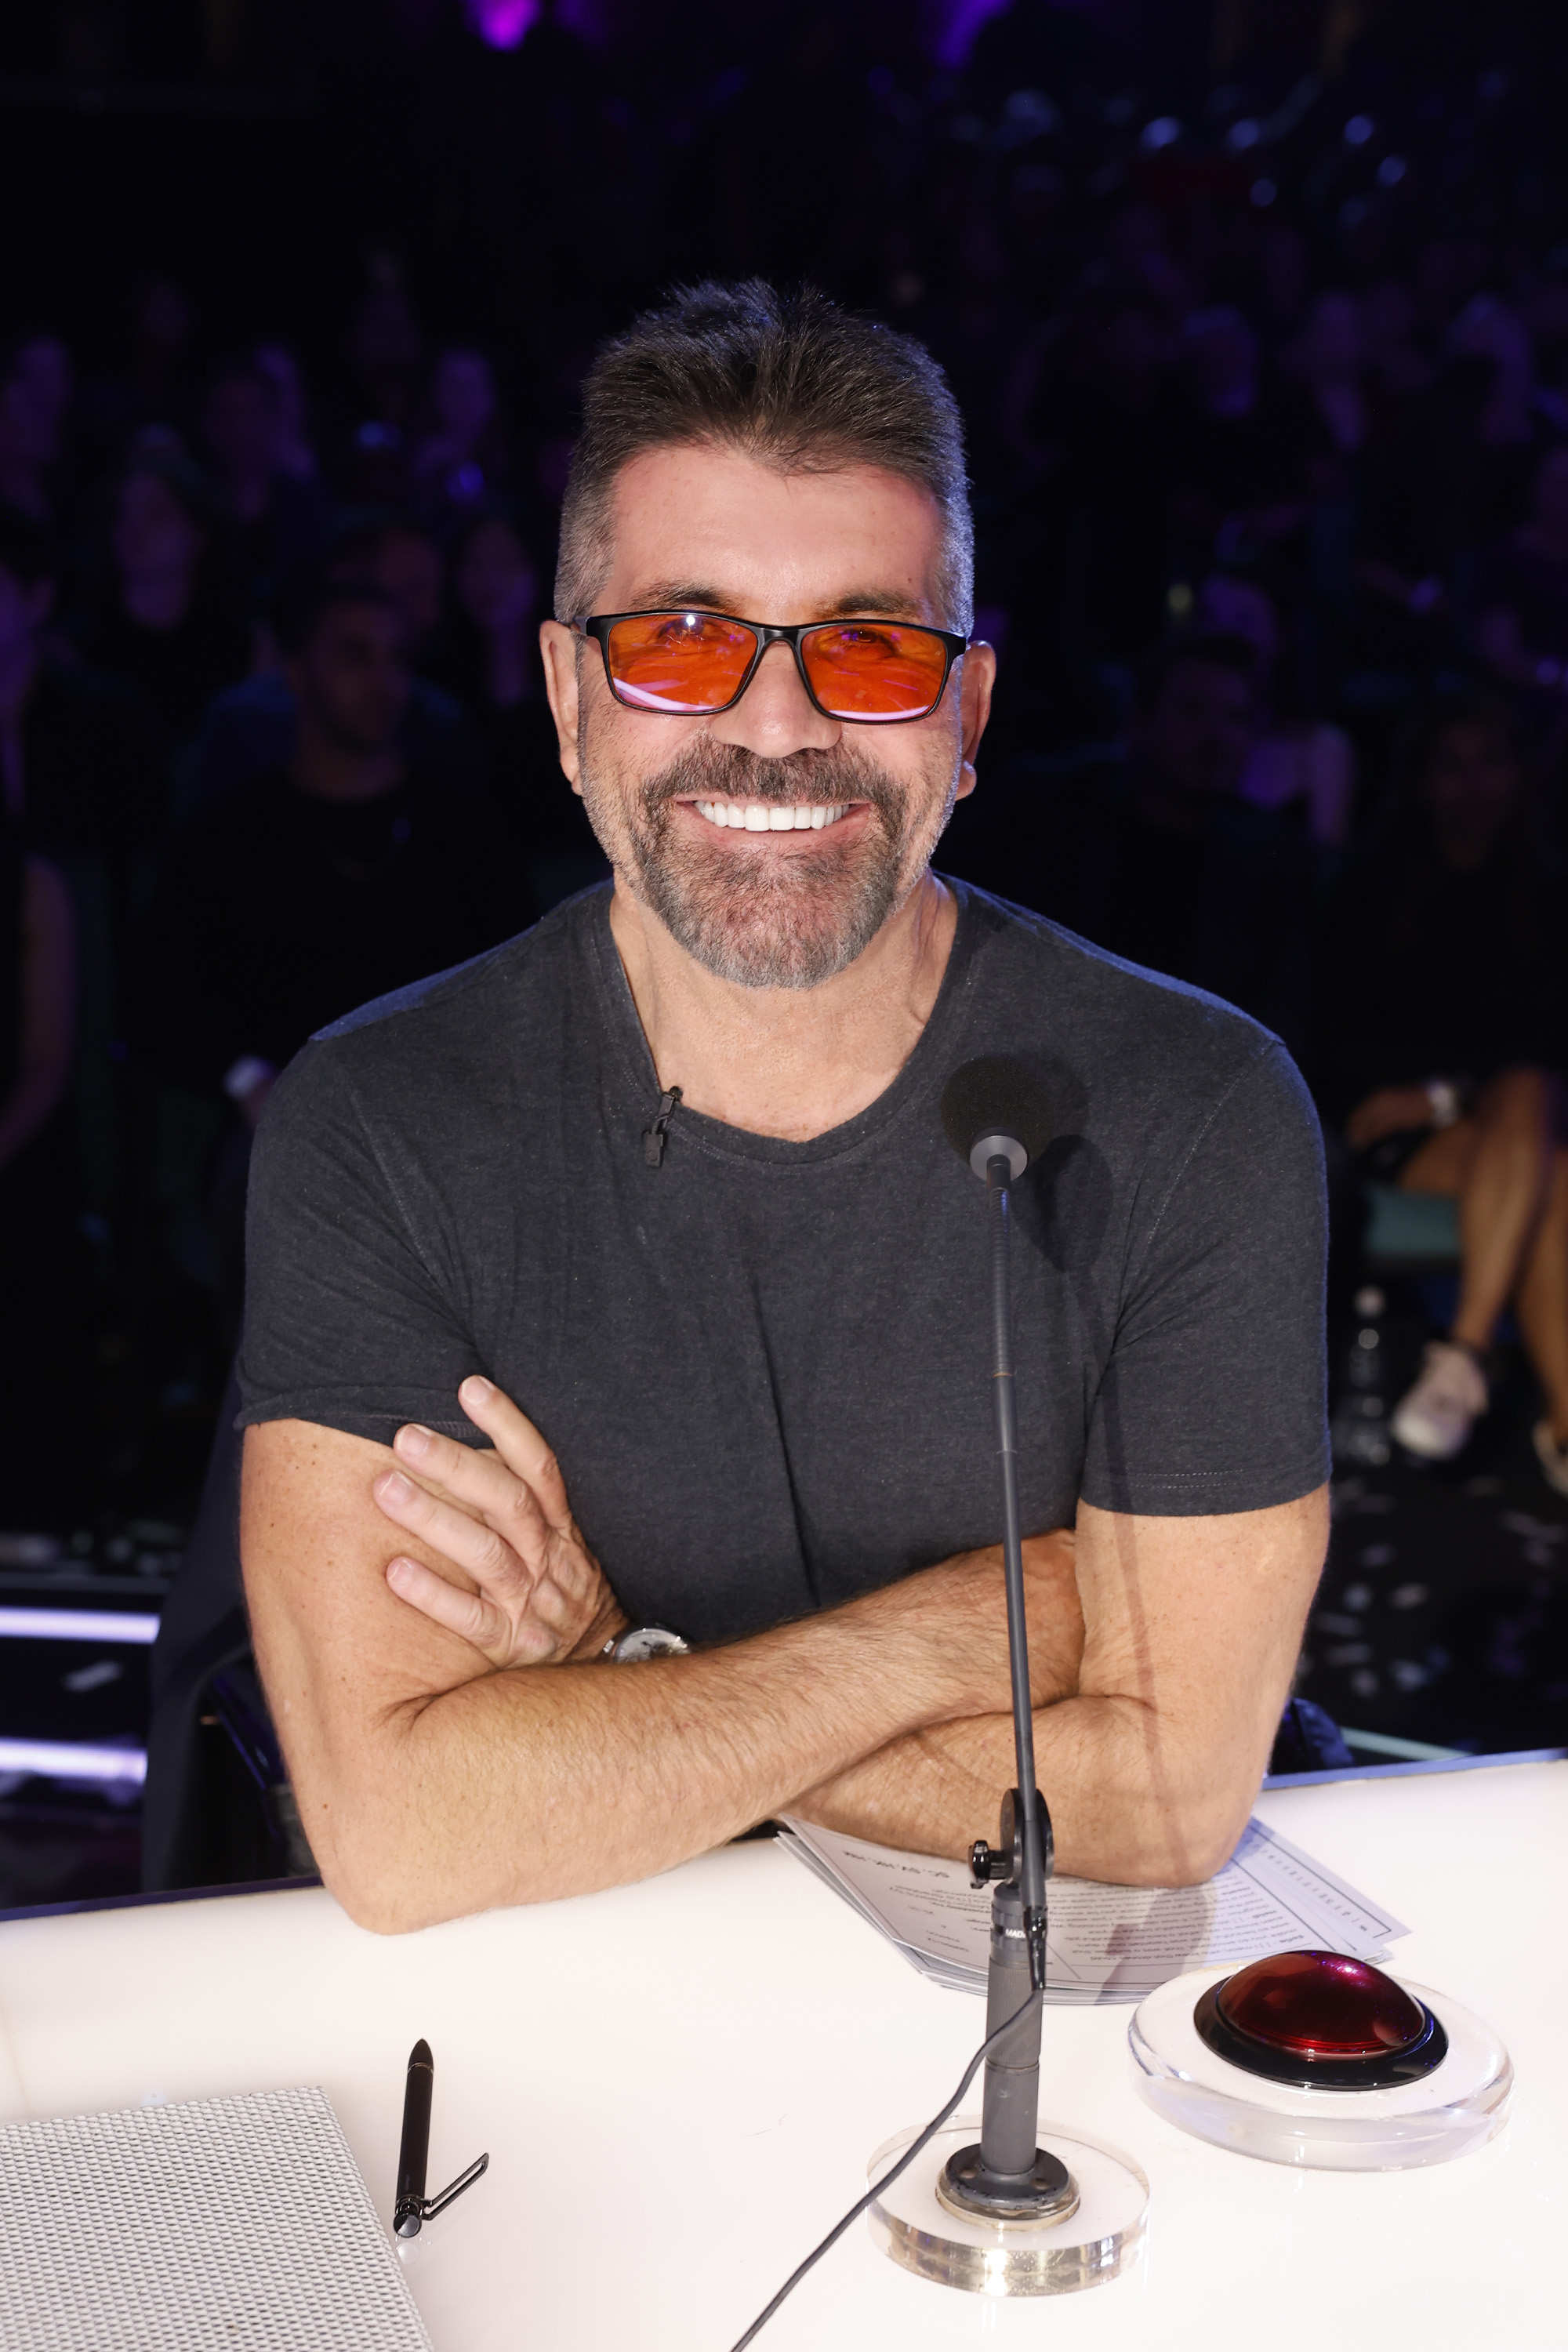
[
  {"x": 518, "y": 1444},
  {"x": 473, "y": 1475},
  {"x": 505, "y": 1570},
  {"x": 469, "y": 1615}
]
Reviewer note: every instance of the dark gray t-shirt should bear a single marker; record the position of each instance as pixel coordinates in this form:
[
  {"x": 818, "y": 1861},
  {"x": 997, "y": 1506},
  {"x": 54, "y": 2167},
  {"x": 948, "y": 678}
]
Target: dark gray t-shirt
[{"x": 763, "y": 1365}]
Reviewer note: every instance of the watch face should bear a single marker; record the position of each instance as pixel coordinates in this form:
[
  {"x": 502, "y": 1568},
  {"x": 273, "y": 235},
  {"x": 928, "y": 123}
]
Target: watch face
[{"x": 648, "y": 1642}]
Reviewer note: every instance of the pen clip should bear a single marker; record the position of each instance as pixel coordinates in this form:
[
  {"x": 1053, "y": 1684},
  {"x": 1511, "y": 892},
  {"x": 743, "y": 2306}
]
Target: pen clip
[{"x": 420, "y": 2209}]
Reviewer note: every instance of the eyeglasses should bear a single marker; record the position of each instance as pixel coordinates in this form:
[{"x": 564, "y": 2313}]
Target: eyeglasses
[{"x": 690, "y": 665}]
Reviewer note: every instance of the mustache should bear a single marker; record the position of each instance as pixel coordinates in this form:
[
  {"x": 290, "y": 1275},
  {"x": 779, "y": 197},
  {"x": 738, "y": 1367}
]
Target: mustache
[{"x": 730, "y": 771}]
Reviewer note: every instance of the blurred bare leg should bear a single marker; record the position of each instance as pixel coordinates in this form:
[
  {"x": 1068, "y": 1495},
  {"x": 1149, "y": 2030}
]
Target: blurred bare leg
[
  {"x": 1541, "y": 1301},
  {"x": 1497, "y": 1164}
]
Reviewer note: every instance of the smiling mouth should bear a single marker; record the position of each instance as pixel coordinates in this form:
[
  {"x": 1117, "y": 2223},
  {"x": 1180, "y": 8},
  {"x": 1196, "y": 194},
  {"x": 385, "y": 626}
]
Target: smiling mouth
[{"x": 773, "y": 816}]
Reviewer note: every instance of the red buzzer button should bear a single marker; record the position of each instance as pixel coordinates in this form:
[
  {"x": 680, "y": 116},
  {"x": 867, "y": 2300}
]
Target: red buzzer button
[{"x": 1321, "y": 2005}]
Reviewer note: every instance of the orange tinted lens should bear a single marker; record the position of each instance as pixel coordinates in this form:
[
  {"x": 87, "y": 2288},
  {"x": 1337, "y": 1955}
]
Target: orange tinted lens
[
  {"x": 682, "y": 662},
  {"x": 875, "y": 670}
]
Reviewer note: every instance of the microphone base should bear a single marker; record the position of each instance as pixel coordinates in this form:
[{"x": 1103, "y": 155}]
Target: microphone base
[
  {"x": 966, "y": 2186},
  {"x": 1092, "y": 2239}
]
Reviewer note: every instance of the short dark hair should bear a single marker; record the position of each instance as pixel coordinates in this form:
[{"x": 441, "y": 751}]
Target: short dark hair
[
  {"x": 1456, "y": 702},
  {"x": 301, "y": 610},
  {"x": 1203, "y": 649},
  {"x": 26, "y": 548},
  {"x": 789, "y": 378}
]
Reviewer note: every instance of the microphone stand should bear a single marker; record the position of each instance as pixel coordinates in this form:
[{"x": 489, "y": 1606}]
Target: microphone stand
[{"x": 1007, "y": 2177}]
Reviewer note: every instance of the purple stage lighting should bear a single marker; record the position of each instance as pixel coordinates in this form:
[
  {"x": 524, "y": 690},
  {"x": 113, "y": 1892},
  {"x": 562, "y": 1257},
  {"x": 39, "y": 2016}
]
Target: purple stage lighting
[{"x": 501, "y": 24}]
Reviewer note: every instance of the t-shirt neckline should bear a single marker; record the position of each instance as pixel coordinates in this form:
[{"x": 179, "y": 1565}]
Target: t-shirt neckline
[{"x": 716, "y": 1137}]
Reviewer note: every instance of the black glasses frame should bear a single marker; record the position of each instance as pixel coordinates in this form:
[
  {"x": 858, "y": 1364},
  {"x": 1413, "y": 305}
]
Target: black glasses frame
[{"x": 793, "y": 634}]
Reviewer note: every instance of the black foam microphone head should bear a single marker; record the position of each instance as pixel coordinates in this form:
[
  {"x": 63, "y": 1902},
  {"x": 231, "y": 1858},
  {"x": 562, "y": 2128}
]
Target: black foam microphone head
[{"x": 996, "y": 1101}]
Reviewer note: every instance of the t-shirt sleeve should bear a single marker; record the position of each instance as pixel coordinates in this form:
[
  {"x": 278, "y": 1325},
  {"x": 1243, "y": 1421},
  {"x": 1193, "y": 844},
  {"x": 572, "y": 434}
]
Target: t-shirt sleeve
[
  {"x": 348, "y": 1320},
  {"x": 1212, "y": 1399}
]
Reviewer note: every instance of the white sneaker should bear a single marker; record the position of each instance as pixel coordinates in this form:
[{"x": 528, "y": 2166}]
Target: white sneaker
[
  {"x": 1552, "y": 1457},
  {"x": 1439, "y": 1412}
]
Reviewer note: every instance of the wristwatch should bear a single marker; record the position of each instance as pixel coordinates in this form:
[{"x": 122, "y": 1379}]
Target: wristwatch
[{"x": 645, "y": 1642}]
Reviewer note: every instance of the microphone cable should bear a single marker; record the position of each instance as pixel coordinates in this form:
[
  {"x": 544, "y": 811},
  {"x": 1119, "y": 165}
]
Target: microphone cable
[{"x": 862, "y": 2203}]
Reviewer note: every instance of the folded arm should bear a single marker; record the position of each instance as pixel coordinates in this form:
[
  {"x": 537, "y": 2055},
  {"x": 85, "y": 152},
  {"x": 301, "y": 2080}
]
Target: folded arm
[
  {"x": 433, "y": 1782},
  {"x": 1191, "y": 1632}
]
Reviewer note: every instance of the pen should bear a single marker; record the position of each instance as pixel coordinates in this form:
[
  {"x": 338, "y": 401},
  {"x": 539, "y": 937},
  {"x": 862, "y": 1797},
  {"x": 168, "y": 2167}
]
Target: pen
[{"x": 411, "y": 2208}]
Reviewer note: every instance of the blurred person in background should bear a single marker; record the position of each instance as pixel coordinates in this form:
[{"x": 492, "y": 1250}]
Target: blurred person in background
[
  {"x": 80, "y": 774},
  {"x": 293, "y": 448},
  {"x": 1521, "y": 594},
  {"x": 1183, "y": 876},
  {"x": 275, "y": 519},
  {"x": 336, "y": 879},
  {"x": 39, "y": 1300},
  {"x": 170, "y": 619},
  {"x": 492, "y": 664},
  {"x": 1310, "y": 761},
  {"x": 462, "y": 460},
  {"x": 1237, "y": 460},
  {"x": 1442, "y": 1023},
  {"x": 250, "y": 729},
  {"x": 37, "y": 386}
]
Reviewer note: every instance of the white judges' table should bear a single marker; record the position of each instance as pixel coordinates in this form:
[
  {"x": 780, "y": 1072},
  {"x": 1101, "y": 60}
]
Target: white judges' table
[{"x": 679, "y": 2084}]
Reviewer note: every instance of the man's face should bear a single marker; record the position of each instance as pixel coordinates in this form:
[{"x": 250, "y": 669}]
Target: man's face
[
  {"x": 153, "y": 529},
  {"x": 678, "y": 802},
  {"x": 351, "y": 680},
  {"x": 1198, "y": 735},
  {"x": 1473, "y": 787}
]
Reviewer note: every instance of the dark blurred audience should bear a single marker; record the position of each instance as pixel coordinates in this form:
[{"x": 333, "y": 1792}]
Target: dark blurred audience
[
  {"x": 1266, "y": 392},
  {"x": 1179, "y": 872}
]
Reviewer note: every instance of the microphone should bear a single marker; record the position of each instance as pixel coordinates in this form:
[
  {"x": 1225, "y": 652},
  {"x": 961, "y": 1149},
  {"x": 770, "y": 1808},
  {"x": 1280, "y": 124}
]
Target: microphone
[{"x": 997, "y": 1119}]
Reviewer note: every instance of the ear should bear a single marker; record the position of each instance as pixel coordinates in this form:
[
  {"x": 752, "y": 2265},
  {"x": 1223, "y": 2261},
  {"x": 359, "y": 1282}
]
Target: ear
[
  {"x": 561, "y": 650},
  {"x": 976, "y": 681}
]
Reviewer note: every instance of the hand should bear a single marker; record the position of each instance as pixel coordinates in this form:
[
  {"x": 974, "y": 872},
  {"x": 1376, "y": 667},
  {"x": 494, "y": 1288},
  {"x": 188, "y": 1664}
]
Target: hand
[
  {"x": 535, "y": 1595},
  {"x": 1393, "y": 1110}
]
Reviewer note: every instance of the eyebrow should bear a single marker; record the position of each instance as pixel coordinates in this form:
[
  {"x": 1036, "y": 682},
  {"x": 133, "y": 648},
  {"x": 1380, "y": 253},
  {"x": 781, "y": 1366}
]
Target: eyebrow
[{"x": 690, "y": 595}]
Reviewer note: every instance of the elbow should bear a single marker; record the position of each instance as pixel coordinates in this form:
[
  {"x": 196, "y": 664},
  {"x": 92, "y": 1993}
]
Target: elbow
[
  {"x": 1186, "y": 1839},
  {"x": 365, "y": 1862},
  {"x": 379, "y": 1909}
]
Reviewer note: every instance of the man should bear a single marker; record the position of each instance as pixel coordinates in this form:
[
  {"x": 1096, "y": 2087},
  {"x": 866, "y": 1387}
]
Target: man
[
  {"x": 78, "y": 767},
  {"x": 1177, "y": 872},
  {"x": 662, "y": 1189},
  {"x": 336, "y": 878},
  {"x": 249, "y": 729}
]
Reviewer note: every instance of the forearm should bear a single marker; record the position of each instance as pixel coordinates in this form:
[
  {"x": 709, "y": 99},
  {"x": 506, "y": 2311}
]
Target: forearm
[
  {"x": 1152, "y": 1748},
  {"x": 527, "y": 1784},
  {"x": 1123, "y": 1807}
]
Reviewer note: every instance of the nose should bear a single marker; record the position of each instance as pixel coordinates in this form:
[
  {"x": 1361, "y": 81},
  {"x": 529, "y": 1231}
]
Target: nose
[{"x": 775, "y": 716}]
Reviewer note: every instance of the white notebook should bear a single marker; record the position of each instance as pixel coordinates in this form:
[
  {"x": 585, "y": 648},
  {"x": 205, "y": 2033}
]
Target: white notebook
[{"x": 213, "y": 2225}]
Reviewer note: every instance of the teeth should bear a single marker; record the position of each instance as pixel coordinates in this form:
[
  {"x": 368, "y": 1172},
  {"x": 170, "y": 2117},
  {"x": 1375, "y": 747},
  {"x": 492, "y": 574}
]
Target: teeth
[{"x": 766, "y": 816}]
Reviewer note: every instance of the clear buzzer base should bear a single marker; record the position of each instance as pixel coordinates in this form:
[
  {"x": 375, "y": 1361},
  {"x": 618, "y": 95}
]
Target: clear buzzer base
[
  {"x": 1461, "y": 2104},
  {"x": 1098, "y": 2240}
]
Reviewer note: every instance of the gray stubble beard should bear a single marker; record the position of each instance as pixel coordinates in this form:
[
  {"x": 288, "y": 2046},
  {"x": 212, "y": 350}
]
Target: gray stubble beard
[{"x": 757, "y": 920}]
